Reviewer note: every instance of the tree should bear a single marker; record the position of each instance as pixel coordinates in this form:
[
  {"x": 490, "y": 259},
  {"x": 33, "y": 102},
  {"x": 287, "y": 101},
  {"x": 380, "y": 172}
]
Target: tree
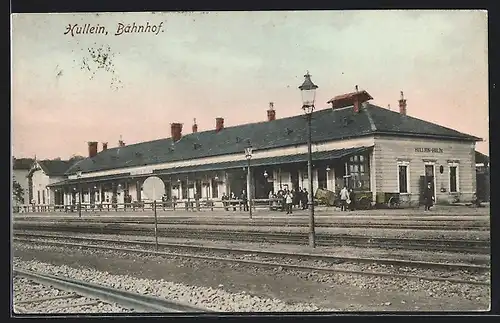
[{"x": 18, "y": 192}]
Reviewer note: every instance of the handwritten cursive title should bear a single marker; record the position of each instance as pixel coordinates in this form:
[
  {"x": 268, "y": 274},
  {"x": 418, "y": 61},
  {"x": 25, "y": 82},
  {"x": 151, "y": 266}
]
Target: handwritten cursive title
[{"x": 120, "y": 29}]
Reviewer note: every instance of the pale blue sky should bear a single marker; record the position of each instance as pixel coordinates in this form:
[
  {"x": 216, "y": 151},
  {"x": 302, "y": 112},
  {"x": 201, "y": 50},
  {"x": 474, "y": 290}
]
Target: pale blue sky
[{"x": 231, "y": 64}]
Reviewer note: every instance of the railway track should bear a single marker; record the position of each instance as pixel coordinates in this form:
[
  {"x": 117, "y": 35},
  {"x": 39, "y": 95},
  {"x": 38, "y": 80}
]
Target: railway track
[
  {"x": 454, "y": 225},
  {"x": 330, "y": 263},
  {"x": 35, "y": 237},
  {"x": 300, "y": 238},
  {"x": 76, "y": 289}
]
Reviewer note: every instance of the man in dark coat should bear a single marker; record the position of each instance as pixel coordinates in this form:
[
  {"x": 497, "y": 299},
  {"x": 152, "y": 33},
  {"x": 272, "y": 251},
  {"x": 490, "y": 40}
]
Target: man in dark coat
[
  {"x": 305, "y": 199},
  {"x": 351, "y": 206},
  {"x": 224, "y": 199},
  {"x": 244, "y": 200},
  {"x": 428, "y": 197}
]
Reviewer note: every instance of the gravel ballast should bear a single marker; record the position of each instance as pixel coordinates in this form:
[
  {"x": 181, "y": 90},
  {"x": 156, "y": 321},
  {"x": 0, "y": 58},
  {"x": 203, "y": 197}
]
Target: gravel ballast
[
  {"x": 326, "y": 291},
  {"x": 340, "y": 251},
  {"x": 210, "y": 298},
  {"x": 459, "y": 274}
]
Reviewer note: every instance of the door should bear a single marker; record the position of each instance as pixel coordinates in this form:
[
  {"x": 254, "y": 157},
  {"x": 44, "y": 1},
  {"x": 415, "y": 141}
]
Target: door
[
  {"x": 237, "y": 181},
  {"x": 168, "y": 189},
  {"x": 294, "y": 177},
  {"x": 138, "y": 188},
  {"x": 198, "y": 189}
]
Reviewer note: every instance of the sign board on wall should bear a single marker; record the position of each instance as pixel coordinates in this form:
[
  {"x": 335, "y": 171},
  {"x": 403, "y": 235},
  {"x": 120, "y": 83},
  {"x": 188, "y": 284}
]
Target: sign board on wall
[
  {"x": 429, "y": 150},
  {"x": 141, "y": 172}
]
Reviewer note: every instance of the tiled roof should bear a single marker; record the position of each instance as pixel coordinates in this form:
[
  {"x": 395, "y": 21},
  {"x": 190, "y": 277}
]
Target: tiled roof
[
  {"x": 55, "y": 167},
  {"x": 392, "y": 122},
  {"x": 482, "y": 158},
  {"x": 22, "y": 163},
  {"x": 328, "y": 124}
]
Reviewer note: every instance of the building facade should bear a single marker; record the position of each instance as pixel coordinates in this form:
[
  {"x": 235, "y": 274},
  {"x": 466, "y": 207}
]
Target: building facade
[
  {"x": 20, "y": 170},
  {"x": 483, "y": 177},
  {"x": 41, "y": 175},
  {"x": 370, "y": 149}
]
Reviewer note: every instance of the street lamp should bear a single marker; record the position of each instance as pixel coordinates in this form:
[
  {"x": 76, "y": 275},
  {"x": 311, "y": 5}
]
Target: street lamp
[
  {"x": 308, "y": 91},
  {"x": 179, "y": 188},
  {"x": 248, "y": 156},
  {"x": 78, "y": 176}
]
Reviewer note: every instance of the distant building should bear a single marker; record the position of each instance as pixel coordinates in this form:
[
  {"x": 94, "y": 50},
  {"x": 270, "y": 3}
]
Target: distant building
[
  {"x": 20, "y": 170},
  {"x": 41, "y": 175},
  {"x": 368, "y": 148},
  {"x": 483, "y": 176}
]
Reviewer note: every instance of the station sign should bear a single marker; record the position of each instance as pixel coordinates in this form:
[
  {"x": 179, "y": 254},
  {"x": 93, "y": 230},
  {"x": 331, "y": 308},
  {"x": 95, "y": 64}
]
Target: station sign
[{"x": 429, "y": 150}]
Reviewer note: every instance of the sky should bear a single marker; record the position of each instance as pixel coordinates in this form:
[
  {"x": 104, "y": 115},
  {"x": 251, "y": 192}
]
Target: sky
[{"x": 232, "y": 64}]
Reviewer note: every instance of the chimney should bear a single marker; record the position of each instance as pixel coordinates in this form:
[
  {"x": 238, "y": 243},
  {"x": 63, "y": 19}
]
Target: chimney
[
  {"x": 402, "y": 104},
  {"x": 120, "y": 142},
  {"x": 219, "y": 124},
  {"x": 92, "y": 148},
  {"x": 195, "y": 126},
  {"x": 104, "y": 146},
  {"x": 356, "y": 100},
  {"x": 271, "y": 113},
  {"x": 176, "y": 130}
]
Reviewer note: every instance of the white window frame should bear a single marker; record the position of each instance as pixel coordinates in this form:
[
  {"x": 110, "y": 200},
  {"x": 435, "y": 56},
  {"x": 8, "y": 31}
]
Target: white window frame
[
  {"x": 408, "y": 186},
  {"x": 457, "y": 165}
]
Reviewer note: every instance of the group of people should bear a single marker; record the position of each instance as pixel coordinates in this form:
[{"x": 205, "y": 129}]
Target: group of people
[
  {"x": 231, "y": 200},
  {"x": 287, "y": 199}
]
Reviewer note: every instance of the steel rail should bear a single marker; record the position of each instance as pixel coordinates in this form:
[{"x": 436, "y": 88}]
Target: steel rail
[
  {"x": 266, "y": 264},
  {"x": 138, "y": 302},
  {"x": 237, "y": 230},
  {"x": 329, "y": 258},
  {"x": 323, "y": 239},
  {"x": 350, "y": 223}
]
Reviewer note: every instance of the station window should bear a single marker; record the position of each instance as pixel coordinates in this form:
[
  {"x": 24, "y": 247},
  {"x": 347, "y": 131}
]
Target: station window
[
  {"x": 453, "y": 172},
  {"x": 403, "y": 177},
  {"x": 38, "y": 197},
  {"x": 358, "y": 169}
]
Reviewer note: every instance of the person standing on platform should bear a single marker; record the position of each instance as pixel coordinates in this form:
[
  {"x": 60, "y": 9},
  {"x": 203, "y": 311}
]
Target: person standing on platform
[
  {"x": 233, "y": 201},
  {"x": 305, "y": 199},
  {"x": 224, "y": 201},
  {"x": 244, "y": 200},
  {"x": 429, "y": 197},
  {"x": 289, "y": 202},
  {"x": 344, "y": 196},
  {"x": 351, "y": 205}
]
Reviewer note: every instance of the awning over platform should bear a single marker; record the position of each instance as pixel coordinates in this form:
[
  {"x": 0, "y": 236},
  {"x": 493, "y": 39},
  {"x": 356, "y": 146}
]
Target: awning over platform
[
  {"x": 86, "y": 180},
  {"x": 269, "y": 161}
]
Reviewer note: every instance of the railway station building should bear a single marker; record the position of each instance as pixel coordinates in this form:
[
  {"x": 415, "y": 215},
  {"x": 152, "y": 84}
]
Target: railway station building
[{"x": 373, "y": 150}]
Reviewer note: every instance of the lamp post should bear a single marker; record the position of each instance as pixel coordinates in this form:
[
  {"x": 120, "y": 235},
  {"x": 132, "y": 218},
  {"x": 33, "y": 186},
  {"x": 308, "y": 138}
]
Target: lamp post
[
  {"x": 308, "y": 91},
  {"x": 248, "y": 156},
  {"x": 328, "y": 169},
  {"x": 78, "y": 176}
]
